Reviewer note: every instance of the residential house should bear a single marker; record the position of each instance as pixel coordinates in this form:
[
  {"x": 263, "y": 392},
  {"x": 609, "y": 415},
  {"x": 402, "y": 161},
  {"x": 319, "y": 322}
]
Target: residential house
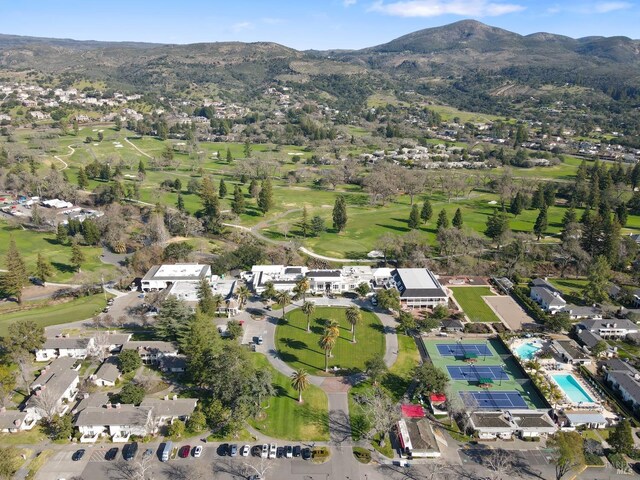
[
  {"x": 625, "y": 381},
  {"x": 609, "y": 328},
  {"x": 491, "y": 425},
  {"x": 160, "y": 277},
  {"x": 416, "y": 438},
  {"x": 452, "y": 325},
  {"x": 582, "y": 418},
  {"x": 64, "y": 346},
  {"x": 152, "y": 352},
  {"x": 532, "y": 423},
  {"x": 570, "y": 352},
  {"x": 187, "y": 291},
  {"x": 549, "y": 300},
  {"x": 54, "y": 389},
  {"x": 117, "y": 421},
  {"x": 177, "y": 364},
  {"x": 107, "y": 374},
  {"x": 509, "y": 423},
  {"x": 577, "y": 312},
  {"x": 13, "y": 421},
  {"x": 418, "y": 288},
  {"x": 168, "y": 410}
]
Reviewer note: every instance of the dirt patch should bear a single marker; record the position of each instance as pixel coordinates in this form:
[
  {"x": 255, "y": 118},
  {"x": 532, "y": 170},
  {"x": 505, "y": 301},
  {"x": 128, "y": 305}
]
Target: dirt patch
[
  {"x": 335, "y": 385},
  {"x": 509, "y": 311}
]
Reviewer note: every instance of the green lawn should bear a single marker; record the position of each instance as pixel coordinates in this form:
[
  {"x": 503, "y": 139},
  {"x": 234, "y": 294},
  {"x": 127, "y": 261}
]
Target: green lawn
[
  {"x": 285, "y": 417},
  {"x": 399, "y": 377},
  {"x": 31, "y": 243},
  {"x": 79, "y": 309},
  {"x": 301, "y": 350},
  {"x": 471, "y": 301},
  {"x": 28, "y": 437}
]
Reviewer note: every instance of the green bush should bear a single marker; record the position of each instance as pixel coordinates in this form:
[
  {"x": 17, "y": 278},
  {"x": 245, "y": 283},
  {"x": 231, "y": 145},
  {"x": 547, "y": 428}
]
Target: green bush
[
  {"x": 591, "y": 459},
  {"x": 618, "y": 461},
  {"x": 362, "y": 454},
  {"x": 634, "y": 454},
  {"x": 531, "y": 439},
  {"x": 320, "y": 452}
]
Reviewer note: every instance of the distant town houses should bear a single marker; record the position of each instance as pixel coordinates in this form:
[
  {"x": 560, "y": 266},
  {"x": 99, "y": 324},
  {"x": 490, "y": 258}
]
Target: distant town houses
[
  {"x": 551, "y": 301},
  {"x": 625, "y": 381}
]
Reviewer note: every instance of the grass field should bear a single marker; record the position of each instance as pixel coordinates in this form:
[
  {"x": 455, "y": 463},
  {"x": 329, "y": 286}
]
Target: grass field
[
  {"x": 285, "y": 417},
  {"x": 31, "y": 243},
  {"x": 517, "y": 380},
  {"x": 471, "y": 301},
  {"x": 79, "y": 309},
  {"x": 301, "y": 350}
]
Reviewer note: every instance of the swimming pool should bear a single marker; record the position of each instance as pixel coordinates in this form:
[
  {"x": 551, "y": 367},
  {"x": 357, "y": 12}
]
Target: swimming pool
[
  {"x": 572, "y": 388},
  {"x": 527, "y": 350}
]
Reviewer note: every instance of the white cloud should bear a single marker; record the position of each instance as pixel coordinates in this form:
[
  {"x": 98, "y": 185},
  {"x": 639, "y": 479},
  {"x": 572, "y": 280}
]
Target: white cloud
[
  {"x": 435, "y": 8},
  {"x": 348, "y": 3},
  {"x": 606, "y": 7},
  {"x": 241, "y": 26},
  {"x": 272, "y": 21}
]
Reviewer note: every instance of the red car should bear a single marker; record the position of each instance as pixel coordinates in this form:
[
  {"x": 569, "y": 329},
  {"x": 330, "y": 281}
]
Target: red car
[{"x": 184, "y": 451}]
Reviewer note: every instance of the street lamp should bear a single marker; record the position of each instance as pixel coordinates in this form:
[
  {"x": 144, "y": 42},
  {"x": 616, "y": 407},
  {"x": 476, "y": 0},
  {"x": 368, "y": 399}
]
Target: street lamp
[{"x": 502, "y": 373}]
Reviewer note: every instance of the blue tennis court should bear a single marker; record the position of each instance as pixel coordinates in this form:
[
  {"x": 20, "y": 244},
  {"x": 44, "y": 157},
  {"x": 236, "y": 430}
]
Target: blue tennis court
[
  {"x": 473, "y": 372},
  {"x": 494, "y": 400},
  {"x": 459, "y": 349}
]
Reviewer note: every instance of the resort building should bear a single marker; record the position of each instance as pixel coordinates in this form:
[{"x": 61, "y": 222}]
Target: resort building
[
  {"x": 569, "y": 352},
  {"x": 160, "y": 277},
  {"x": 624, "y": 379},
  {"x": 419, "y": 288},
  {"x": 415, "y": 435},
  {"x": 506, "y": 424},
  {"x": 549, "y": 300}
]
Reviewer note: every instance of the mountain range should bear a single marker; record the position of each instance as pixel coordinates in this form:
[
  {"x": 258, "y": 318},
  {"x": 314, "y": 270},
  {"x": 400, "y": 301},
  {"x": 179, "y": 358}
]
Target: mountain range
[{"x": 463, "y": 56}]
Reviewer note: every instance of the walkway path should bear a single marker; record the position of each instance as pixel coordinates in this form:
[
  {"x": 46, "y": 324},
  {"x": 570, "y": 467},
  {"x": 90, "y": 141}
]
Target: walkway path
[
  {"x": 57, "y": 157},
  {"x": 136, "y": 148}
]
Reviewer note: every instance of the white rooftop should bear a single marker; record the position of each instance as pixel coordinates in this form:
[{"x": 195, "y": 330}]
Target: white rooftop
[
  {"x": 416, "y": 278},
  {"x": 180, "y": 270}
]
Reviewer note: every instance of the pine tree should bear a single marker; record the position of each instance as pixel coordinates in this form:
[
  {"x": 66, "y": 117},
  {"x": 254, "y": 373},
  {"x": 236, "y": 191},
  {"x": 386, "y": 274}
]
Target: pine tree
[
  {"x": 621, "y": 214},
  {"x": 180, "y": 203},
  {"x": 229, "y": 157},
  {"x": 443, "y": 220},
  {"x": 222, "y": 189},
  {"x": 611, "y": 240},
  {"x": 237, "y": 204},
  {"x": 427, "y": 212},
  {"x": 206, "y": 301},
  {"x": 517, "y": 204},
  {"x": 62, "y": 234},
  {"x": 83, "y": 181},
  {"x": 497, "y": 225},
  {"x": 304, "y": 224},
  {"x": 457, "y": 219},
  {"x": 141, "y": 169},
  {"x": 540, "y": 227},
  {"x": 210, "y": 206},
  {"x": 254, "y": 189},
  {"x": 265, "y": 197},
  {"x": 15, "y": 278},
  {"x": 247, "y": 148},
  {"x": 569, "y": 217},
  {"x": 339, "y": 214},
  {"x": 414, "y": 217},
  {"x": 77, "y": 257},
  {"x": 44, "y": 270}
]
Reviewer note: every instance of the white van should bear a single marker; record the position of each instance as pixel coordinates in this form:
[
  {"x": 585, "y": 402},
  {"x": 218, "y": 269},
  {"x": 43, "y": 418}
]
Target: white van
[{"x": 166, "y": 451}]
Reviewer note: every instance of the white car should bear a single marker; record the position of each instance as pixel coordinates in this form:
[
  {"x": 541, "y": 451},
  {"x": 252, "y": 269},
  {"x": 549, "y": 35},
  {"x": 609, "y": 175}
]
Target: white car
[
  {"x": 244, "y": 451},
  {"x": 273, "y": 448},
  {"x": 265, "y": 451},
  {"x": 197, "y": 451}
]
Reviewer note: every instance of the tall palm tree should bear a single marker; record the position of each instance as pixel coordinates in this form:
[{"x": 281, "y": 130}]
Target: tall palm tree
[
  {"x": 243, "y": 294},
  {"x": 353, "y": 317},
  {"x": 333, "y": 330},
  {"x": 216, "y": 301},
  {"x": 327, "y": 342},
  {"x": 300, "y": 381},
  {"x": 302, "y": 286},
  {"x": 308, "y": 308},
  {"x": 283, "y": 298}
]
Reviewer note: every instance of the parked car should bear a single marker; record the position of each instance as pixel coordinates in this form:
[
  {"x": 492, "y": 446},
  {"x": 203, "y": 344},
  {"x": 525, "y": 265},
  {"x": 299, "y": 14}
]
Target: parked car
[
  {"x": 184, "y": 451},
  {"x": 374, "y": 301},
  {"x": 233, "y": 450},
  {"x": 306, "y": 453},
  {"x": 259, "y": 340},
  {"x": 296, "y": 451},
  {"x": 273, "y": 449},
  {"x": 147, "y": 453},
  {"x": 77, "y": 455},
  {"x": 265, "y": 451},
  {"x": 223, "y": 449},
  {"x": 197, "y": 452},
  {"x": 111, "y": 454},
  {"x": 288, "y": 451},
  {"x": 130, "y": 451},
  {"x": 280, "y": 452},
  {"x": 244, "y": 451}
]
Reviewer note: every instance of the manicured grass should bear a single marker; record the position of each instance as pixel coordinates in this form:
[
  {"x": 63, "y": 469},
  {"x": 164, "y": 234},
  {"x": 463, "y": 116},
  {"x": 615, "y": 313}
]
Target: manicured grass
[
  {"x": 285, "y": 417},
  {"x": 399, "y": 377},
  {"x": 31, "y": 243},
  {"x": 471, "y": 301},
  {"x": 28, "y": 437},
  {"x": 79, "y": 309},
  {"x": 301, "y": 350},
  {"x": 517, "y": 379}
]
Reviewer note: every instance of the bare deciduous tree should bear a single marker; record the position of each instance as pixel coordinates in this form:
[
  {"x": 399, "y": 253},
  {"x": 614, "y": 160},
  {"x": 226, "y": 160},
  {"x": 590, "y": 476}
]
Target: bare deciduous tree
[{"x": 381, "y": 412}]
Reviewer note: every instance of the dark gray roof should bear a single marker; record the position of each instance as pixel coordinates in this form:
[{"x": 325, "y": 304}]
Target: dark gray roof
[
  {"x": 619, "y": 323},
  {"x": 580, "y": 311},
  {"x": 324, "y": 273},
  {"x": 572, "y": 349},
  {"x": 180, "y": 407},
  {"x": 292, "y": 270},
  {"x": 108, "y": 370},
  {"x": 541, "y": 282},
  {"x": 588, "y": 338},
  {"x": 451, "y": 323},
  {"x": 490, "y": 420},
  {"x": 122, "y": 415},
  {"x": 548, "y": 297},
  {"x": 65, "y": 342},
  {"x": 11, "y": 418},
  {"x": 177, "y": 362},
  {"x": 533, "y": 420},
  {"x": 53, "y": 370},
  {"x": 627, "y": 382},
  {"x": 616, "y": 364}
]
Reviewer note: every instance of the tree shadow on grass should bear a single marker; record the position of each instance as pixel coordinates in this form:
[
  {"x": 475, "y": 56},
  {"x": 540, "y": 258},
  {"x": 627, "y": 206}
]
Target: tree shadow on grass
[
  {"x": 290, "y": 358},
  {"x": 294, "y": 344},
  {"x": 281, "y": 392},
  {"x": 319, "y": 419},
  {"x": 397, "y": 385},
  {"x": 393, "y": 227},
  {"x": 63, "y": 267}
]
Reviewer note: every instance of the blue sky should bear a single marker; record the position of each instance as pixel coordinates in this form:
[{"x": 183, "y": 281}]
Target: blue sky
[{"x": 305, "y": 24}]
